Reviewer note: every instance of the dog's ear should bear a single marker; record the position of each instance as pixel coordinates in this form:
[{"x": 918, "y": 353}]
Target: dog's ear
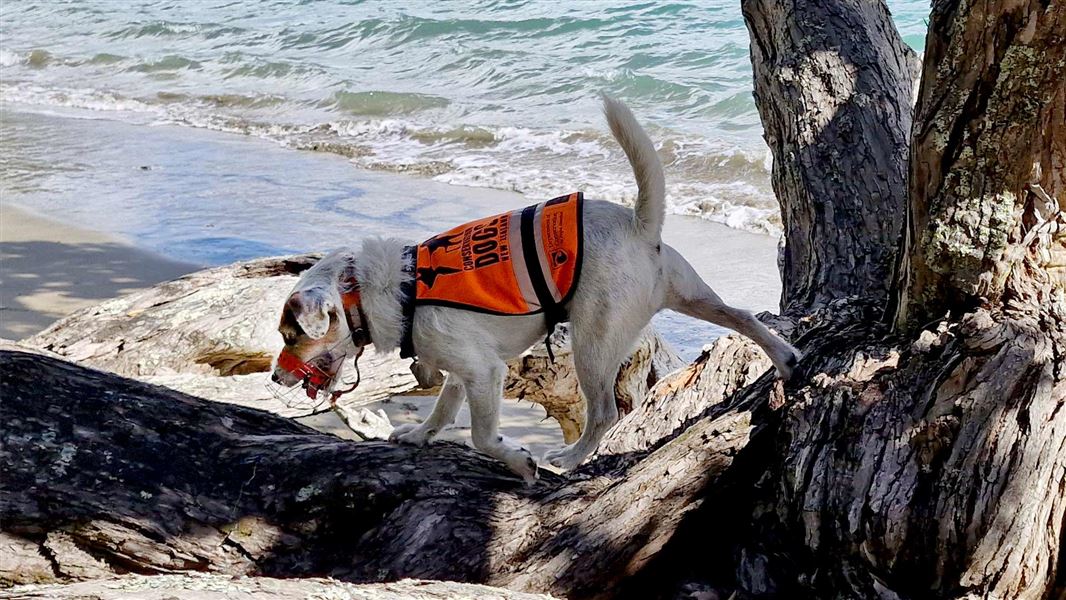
[{"x": 311, "y": 309}]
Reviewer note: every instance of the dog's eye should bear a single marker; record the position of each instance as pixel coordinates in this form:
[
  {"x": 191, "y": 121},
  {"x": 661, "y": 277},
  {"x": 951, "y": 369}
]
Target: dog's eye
[{"x": 289, "y": 336}]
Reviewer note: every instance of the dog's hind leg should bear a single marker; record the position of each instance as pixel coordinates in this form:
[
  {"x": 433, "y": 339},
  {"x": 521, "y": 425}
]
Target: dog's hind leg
[
  {"x": 447, "y": 406},
  {"x": 599, "y": 348},
  {"x": 484, "y": 391},
  {"x": 688, "y": 294}
]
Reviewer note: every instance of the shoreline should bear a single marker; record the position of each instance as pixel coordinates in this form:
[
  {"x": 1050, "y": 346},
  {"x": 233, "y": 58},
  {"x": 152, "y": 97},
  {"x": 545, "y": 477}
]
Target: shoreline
[
  {"x": 72, "y": 238},
  {"x": 194, "y": 198}
]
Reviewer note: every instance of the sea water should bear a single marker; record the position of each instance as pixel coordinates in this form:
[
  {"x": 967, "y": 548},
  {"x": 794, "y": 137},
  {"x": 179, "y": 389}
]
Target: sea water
[{"x": 490, "y": 93}]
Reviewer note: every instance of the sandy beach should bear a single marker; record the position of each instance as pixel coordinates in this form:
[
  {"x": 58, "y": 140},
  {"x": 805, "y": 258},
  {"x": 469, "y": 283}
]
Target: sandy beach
[{"x": 49, "y": 269}]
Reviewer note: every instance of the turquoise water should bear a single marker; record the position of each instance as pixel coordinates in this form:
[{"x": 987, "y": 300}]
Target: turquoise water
[{"x": 497, "y": 94}]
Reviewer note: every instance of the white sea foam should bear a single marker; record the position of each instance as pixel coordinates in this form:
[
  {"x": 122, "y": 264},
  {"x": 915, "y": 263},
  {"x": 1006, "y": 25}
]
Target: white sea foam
[
  {"x": 86, "y": 99},
  {"x": 561, "y": 143},
  {"x": 9, "y": 58},
  {"x": 538, "y": 163}
]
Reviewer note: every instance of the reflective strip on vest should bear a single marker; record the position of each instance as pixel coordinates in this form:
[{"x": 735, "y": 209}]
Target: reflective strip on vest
[{"x": 517, "y": 263}]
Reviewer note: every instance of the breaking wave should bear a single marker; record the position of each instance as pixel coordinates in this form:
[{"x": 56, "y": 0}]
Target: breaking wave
[{"x": 705, "y": 179}]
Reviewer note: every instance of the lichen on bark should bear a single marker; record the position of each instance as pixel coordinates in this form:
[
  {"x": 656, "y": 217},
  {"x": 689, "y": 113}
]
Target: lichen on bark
[{"x": 973, "y": 233}]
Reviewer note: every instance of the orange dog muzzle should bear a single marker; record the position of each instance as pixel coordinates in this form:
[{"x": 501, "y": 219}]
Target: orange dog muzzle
[{"x": 313, "y": 379}]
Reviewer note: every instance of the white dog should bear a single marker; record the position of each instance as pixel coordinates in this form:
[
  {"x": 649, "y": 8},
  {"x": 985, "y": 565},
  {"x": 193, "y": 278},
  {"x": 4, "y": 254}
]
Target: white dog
[{"x": 350, "y": 299}]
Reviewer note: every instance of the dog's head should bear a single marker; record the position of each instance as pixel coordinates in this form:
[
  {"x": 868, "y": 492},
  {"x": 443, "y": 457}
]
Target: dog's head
[{"x": 318, "y": 327}]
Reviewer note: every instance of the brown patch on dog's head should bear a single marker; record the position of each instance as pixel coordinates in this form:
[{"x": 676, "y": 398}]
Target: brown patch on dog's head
[
  {"x": 313, "y": 311},
  {"x": 311, "y": 328},
  {"x": 313, "y": 323}
]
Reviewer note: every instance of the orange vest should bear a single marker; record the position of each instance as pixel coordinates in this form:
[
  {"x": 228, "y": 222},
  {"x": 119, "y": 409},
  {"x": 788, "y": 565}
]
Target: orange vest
[{"x": 517, "y": 263}]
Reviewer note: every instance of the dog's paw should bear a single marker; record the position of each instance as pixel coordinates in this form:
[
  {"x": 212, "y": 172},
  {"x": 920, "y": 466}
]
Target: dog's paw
[
  {"x": 520, "y": 461},
  {"x": 410, "y": 434},
  {"x": 787, "y": 363},
  {"x": 565, "y": 458},
  {"x": 527, "y": 468}
]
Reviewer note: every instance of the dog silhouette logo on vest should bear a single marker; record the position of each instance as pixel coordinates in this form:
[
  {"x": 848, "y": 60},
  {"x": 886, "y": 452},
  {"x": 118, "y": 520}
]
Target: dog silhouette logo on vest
[
  {"x": 521, "y": 262},
  {"x": 429, "y": 276},
  {"x": 447, "y": 242}
]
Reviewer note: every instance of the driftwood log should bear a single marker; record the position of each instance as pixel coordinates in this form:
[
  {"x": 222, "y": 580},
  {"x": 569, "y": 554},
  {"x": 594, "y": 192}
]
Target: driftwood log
[
  {"x": 219, "y": 587},
  {"x": 213, "y": 334},
  {"x": 920, "y": 452},
  {"x": 553, "y": 384},
  {"x": 109, "y": 475}
]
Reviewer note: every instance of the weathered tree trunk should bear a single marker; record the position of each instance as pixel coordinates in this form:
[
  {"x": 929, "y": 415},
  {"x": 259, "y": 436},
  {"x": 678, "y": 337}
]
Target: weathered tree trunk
[
  {"x": 833, "y": 83},
  {"x": 108, "y": 475},
  {"x": 988, "y": 161},
  {"x": 933, "y": 463},
  {"x": 920, "y": 467}
]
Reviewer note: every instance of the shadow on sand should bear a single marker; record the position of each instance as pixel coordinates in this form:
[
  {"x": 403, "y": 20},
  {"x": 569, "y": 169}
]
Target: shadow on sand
[{"x": 41, "y": 281}]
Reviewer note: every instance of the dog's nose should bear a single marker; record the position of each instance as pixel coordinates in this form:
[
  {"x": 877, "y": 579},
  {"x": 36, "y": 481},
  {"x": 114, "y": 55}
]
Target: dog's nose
[{"x": 274, "y": 377}]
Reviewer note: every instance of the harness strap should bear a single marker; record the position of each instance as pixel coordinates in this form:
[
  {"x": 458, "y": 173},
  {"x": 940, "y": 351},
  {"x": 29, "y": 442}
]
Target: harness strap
[
  {"x": 350, "y": 297},
  {"x": 407, "y": 301},
  {"x": 554, "y": 313}
]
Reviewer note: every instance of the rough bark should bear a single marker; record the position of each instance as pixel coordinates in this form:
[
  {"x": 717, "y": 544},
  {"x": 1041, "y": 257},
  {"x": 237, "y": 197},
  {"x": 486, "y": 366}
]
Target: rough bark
[
  {"x": 221, "y": 587},
  {"x": 731, "y": 363},
  {"x": 106, "y": 474},
  {"x": 833, "y": 84},
  {"x": 213, "y": 334},
  {"x": 926, "y": 464},
  {"x": 988, "y": 161}
]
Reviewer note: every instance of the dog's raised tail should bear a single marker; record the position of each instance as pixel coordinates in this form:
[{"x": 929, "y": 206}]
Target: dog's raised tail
[{"x": 650, "y": 209}]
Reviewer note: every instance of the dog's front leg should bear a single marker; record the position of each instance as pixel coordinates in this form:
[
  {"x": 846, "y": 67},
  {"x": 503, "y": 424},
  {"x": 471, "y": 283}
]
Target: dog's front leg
[
  {"x": 447, "y": 406},
  {"x": 484, "y": 392}
]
